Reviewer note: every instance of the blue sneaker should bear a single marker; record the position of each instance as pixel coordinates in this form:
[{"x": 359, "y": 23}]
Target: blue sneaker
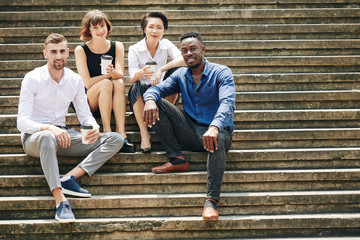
[
  {"x": 64, "y": 214},
  {"x": 71, "y": 187}
]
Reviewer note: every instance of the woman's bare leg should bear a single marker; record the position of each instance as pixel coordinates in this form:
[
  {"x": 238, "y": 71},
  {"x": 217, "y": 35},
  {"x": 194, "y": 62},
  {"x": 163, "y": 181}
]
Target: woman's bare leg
[
  {"x": 138, "y": 109},
  {"x": 100, "y": 97},
  {"x": 119, "y": 106},
  {"x": 172, "y": 98}
]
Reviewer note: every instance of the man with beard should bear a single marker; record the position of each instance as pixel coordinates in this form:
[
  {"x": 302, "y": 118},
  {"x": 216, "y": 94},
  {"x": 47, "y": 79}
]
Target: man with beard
[
  {"x": 46, "y": 93},
  {"x": 206, "y": 123}
]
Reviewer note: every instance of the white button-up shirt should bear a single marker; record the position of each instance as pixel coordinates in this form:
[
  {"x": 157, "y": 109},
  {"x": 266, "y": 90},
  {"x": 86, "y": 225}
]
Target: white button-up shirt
[
  {"x": 139, "y": 55},
  {"x": 44, "y": 101}
]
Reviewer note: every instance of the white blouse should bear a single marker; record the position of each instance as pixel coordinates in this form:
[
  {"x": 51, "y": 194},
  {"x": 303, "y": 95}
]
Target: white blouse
[{"x": 139, "y": 55}]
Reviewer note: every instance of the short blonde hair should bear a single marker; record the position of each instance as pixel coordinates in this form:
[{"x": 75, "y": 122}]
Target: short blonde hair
[{"x": 94, "y": 18}]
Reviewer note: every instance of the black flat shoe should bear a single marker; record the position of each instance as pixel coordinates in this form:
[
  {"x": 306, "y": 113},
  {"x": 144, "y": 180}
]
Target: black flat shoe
[
  {"x": 146, "y": 150},
  {"x": 127, "y": 147}
]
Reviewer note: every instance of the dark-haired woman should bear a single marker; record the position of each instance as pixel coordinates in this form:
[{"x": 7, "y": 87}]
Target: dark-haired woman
[
  {"x": 152, "y": 48},
  {"x": 105, "y": 92}
]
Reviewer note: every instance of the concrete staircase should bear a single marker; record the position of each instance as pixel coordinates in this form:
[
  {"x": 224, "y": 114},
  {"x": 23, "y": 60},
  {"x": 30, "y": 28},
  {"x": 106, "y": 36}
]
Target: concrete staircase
[{"x": 294, "y": 167}]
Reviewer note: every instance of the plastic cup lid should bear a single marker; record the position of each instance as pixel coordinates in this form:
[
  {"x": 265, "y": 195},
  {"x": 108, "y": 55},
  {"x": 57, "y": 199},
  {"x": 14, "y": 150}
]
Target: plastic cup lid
[
  {"x": 151, "y": 63},
  {"x": 86, "y": 126},
  {"x": 106, "y": 57}
]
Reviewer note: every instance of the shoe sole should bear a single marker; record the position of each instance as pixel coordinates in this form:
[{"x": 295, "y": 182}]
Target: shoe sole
[
  {"x": 210, "y": 219},
  {"x": 169, "y": 172},
  {"x": 76, "y": 194},
  {"x": 172, "y": 171},
  {"x": 70, "y": 220}
]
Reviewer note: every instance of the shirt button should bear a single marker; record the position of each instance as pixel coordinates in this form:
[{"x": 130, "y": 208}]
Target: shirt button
[{"x": 196, "y": 93}]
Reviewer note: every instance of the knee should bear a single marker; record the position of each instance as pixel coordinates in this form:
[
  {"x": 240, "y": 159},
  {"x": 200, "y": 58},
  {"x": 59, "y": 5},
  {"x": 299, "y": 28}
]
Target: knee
[
  {"x": 106, "y": 86},
  {"x": 118, "y": 87},
  {"x": 118, "y": 84},
  {"x": 161, "y": 104},
  {"x": 116, "y": 139},
  {"x": 223, "y": 142},
  {"x": 47, "y": 139}
]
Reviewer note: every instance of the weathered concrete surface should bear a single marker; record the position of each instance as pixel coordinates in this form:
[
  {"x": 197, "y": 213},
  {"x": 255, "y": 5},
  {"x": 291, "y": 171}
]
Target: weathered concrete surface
[
  {"x": 293, "y": 169},
  {"x": 147, "y": 205},
  {"x": 188, "y": 226}
]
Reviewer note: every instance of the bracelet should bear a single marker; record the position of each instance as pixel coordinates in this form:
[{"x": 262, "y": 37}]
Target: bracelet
[{"x": 147, "y": 99}]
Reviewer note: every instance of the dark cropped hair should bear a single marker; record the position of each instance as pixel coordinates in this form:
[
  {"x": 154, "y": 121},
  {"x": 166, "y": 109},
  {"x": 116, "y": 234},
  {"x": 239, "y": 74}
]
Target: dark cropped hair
[
  {"x": 54, "y": 38},
  {"x": 160, "y": 15},
  {"x": 191, "y": 34},
  {"x": 94, "y": 18}
]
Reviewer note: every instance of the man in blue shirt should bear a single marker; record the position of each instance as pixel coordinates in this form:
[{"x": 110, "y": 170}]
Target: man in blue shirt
[{"x": 206, "y": 123}]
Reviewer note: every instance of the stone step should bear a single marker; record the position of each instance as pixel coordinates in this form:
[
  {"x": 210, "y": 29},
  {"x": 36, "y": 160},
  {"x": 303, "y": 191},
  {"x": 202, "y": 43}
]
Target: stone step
[
  {"x": 243, "y": 119},
  {"x": 252, "y": 82},
  {"x": 124, "y": 4},
  {"x": 192, "y": 182},
  {"x": 318, "y": 47},
  {"x": 223, "y": 32},
  {"x": 312, "y": 238},
  {"x": 329, "y": 99},
  {"x": 251, "y": 64},
  {"x": 204, "y": 16},
  {"x": 186, "y": 227},
  {"x": 298, "y": 99},
  {"x": 246, "y": 139},
  {"x": 252, "y": 159},
  {"x": 161, "y": 4},
  {"x": 171, "y": 205}
]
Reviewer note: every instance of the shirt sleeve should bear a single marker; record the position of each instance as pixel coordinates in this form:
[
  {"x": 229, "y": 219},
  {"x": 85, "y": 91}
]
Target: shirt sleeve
[
  {"x": 133, "y": 63},
  {"x": 226, "y": 98},
  {"x": 163, "y": 89},
  {"x": 25, "y": 109},
  {"x": 173, "y": 51},
  {"x": 82, "y": 107}
]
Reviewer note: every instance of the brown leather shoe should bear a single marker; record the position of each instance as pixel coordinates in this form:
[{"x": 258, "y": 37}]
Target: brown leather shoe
[
  {"x": 169, "y": 168},
  {"x": 210, "y": 213}
]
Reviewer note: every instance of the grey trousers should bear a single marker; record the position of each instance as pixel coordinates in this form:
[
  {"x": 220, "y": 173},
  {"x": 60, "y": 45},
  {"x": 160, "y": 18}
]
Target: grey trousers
[
  {"x": 44, "y": 145},
  {"x": 176, "y": 127}
]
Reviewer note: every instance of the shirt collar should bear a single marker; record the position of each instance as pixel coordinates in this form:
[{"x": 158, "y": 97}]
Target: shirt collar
[
  {"x": 205, "y": 72},
  {"x": 47, "y": 75},
  {"x": 143, "y": 46}
]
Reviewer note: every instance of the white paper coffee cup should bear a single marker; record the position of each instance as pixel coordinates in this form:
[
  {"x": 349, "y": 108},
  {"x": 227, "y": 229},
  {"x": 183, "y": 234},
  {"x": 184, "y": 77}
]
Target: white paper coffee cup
[
  {"x": 84, "y": 131},
  {"x": 153, "y": 67},
  {"x": 106, "y": 60}
]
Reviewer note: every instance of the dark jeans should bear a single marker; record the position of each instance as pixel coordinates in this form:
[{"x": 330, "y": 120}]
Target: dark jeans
[{"x": 176, "y": 127}]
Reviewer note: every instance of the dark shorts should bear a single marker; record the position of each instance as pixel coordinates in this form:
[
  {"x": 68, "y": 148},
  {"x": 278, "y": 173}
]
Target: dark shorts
[{"x": 138, "y": 88}]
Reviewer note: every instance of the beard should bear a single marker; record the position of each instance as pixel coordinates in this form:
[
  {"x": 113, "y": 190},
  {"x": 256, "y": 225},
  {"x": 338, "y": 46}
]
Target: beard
[
  {"x": 58, "y": 65},
  {"x": 196, "y": 64}
]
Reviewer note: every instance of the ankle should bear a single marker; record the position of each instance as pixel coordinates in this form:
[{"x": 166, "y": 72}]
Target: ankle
[
  {"x": 212, "y": 199},
  {"x": 177, "y": 161},
  {"x": 123, "y": 135},
  {"x": 210, "y": 203},
  {"x": 179, "y": 157},
  {"x": 145, "y": 135}
]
